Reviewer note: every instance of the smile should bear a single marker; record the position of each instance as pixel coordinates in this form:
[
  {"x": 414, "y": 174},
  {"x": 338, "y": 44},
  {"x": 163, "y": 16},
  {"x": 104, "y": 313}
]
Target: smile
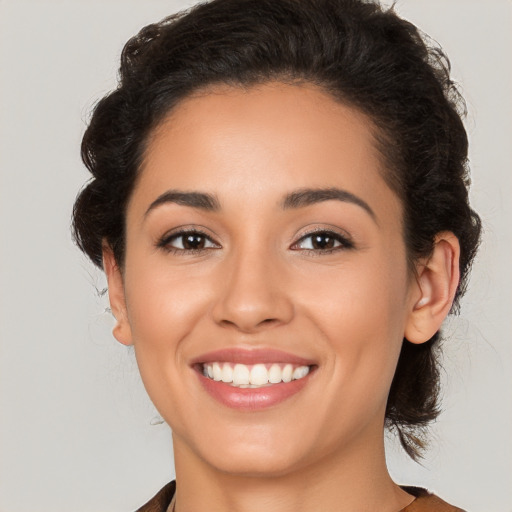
[
  {"x": 253, "y": 379},
  {"x": 254, "y": 376}
]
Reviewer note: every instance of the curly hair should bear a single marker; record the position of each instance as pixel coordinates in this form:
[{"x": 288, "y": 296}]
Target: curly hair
[{"x": 361, "y": 54}]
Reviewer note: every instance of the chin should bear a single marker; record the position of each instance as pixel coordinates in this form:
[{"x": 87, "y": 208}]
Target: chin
[
  {"x": 262, "y": 464},
  {"x": 260, "y": 453}
]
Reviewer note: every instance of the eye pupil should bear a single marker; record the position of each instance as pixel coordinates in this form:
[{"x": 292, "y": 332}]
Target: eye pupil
[
  {"x": 193, "y": 241},
  {"x": 323, "y": 241}
]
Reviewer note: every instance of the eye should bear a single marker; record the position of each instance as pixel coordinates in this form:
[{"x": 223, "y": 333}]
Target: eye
[
  {"x": 187, "y": 241},
  {"x": 323, "y": 241}
]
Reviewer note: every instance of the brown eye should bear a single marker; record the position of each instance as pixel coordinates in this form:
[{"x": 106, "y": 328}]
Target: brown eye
[
  {"x": 188, "y": 241},
  {"x": 323, "y": 241},
  {"x": 193, "y": 241}
]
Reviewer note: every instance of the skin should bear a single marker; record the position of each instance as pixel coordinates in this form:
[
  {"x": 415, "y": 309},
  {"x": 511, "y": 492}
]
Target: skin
[{"x": 259, "y": 283}]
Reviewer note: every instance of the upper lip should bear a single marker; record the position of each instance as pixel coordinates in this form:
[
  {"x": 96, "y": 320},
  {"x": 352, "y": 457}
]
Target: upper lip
[{"x": 251, "y": 356}]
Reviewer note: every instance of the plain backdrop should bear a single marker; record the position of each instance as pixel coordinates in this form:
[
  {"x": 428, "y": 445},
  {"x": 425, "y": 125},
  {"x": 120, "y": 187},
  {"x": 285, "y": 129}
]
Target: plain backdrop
[{"x": 77, "y": 431}]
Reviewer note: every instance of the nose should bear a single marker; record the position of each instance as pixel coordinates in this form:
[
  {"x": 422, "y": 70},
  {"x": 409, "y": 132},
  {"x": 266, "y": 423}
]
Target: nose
[{"x": 253, "y": 295}]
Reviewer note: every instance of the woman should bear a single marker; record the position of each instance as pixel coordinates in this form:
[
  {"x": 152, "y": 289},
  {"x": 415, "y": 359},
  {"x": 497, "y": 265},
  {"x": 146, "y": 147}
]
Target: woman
[{"x": 279, "y": 201}]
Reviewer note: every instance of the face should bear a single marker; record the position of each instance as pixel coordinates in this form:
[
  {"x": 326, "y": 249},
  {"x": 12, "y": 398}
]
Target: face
[{"x": 263, "y": 245}]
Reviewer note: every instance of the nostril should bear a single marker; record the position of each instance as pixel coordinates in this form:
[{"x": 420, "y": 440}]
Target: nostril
[{"x": 249, "y": 326}]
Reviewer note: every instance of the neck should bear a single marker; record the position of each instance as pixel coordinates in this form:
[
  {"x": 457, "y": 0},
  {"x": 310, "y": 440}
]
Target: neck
[{"x": 354, "y": 480}]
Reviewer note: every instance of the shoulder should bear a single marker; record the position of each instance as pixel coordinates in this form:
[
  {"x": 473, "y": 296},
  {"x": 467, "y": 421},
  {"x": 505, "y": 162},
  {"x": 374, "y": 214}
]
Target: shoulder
[
  {"x": 161, "y": 500},
  {"x": 427, "y": 502}
]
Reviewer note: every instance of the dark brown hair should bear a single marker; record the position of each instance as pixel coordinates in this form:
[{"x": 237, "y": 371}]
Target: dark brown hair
[{"x": 361, "y": 54}]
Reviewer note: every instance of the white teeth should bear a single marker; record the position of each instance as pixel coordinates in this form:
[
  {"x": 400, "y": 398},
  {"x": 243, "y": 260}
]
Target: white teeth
[
  {"x": 254, "y": 376},
  {"x": 259, "y": 375},
  {"x": 227, "y": 373},
  {"x": 274, "y": 374},
  {"x": 217, "y": 371},
  {"x": 240, "y": 374},
  {"x": 287, "y": 373},
  {"x": 300, "y": 372}
]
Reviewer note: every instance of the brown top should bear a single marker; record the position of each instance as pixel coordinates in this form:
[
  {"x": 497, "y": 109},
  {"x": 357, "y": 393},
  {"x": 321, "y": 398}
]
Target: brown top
[{"x": 424, "y": 502}]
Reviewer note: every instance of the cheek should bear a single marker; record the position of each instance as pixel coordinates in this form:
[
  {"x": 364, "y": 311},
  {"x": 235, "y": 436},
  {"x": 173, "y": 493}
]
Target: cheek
[
  {"x": 360, "y": 310},
  {"x": 165, "y": 306},
  {"x": 362, "y": 328},
  {"x": 360, "y": 297},
  {"x": 164, "y": 309}
]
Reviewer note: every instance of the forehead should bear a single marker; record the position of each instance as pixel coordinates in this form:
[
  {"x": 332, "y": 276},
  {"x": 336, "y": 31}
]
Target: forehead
[{"x": 261, "y": 142}]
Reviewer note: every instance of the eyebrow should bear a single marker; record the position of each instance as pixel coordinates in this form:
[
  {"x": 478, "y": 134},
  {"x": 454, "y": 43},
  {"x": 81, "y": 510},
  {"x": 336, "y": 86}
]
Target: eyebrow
[
  {"x": 309, "y": 196},
  {"x": 297, "y": 199},
  {"x": 200, "y": 200}
]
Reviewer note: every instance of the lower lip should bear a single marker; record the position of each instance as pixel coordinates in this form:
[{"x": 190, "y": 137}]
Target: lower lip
[{"x": 252, "y": 399}]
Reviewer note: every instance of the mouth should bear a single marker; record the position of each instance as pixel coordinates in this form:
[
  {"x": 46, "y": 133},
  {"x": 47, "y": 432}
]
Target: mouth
[
  {"x": 254, "y": 376},
  {"x": 252, "y": 379}
]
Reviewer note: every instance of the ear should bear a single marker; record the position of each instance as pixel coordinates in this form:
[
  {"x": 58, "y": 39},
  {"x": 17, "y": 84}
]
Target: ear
[
  {"x": 122, "y": 330},
  {"x": 436, "y": 283}
]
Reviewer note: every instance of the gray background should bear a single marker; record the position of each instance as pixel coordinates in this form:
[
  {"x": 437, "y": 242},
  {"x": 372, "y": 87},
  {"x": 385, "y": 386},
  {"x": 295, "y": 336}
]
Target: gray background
[{"x": 77, "y": 432}]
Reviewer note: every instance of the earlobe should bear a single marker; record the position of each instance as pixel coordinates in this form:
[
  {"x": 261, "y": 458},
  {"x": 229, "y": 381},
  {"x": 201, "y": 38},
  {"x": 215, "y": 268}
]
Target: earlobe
[
  {"x": 122, "y": 330},
  {"x": 436, "y": 283}
]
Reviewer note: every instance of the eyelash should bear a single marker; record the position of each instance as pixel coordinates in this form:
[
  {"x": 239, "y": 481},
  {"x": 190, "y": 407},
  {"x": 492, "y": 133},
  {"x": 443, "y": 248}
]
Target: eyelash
[
  {"x": 344, "y": 242},
  {"x": 166, "y": 240},
  {"x": 164, "y": 243}
]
